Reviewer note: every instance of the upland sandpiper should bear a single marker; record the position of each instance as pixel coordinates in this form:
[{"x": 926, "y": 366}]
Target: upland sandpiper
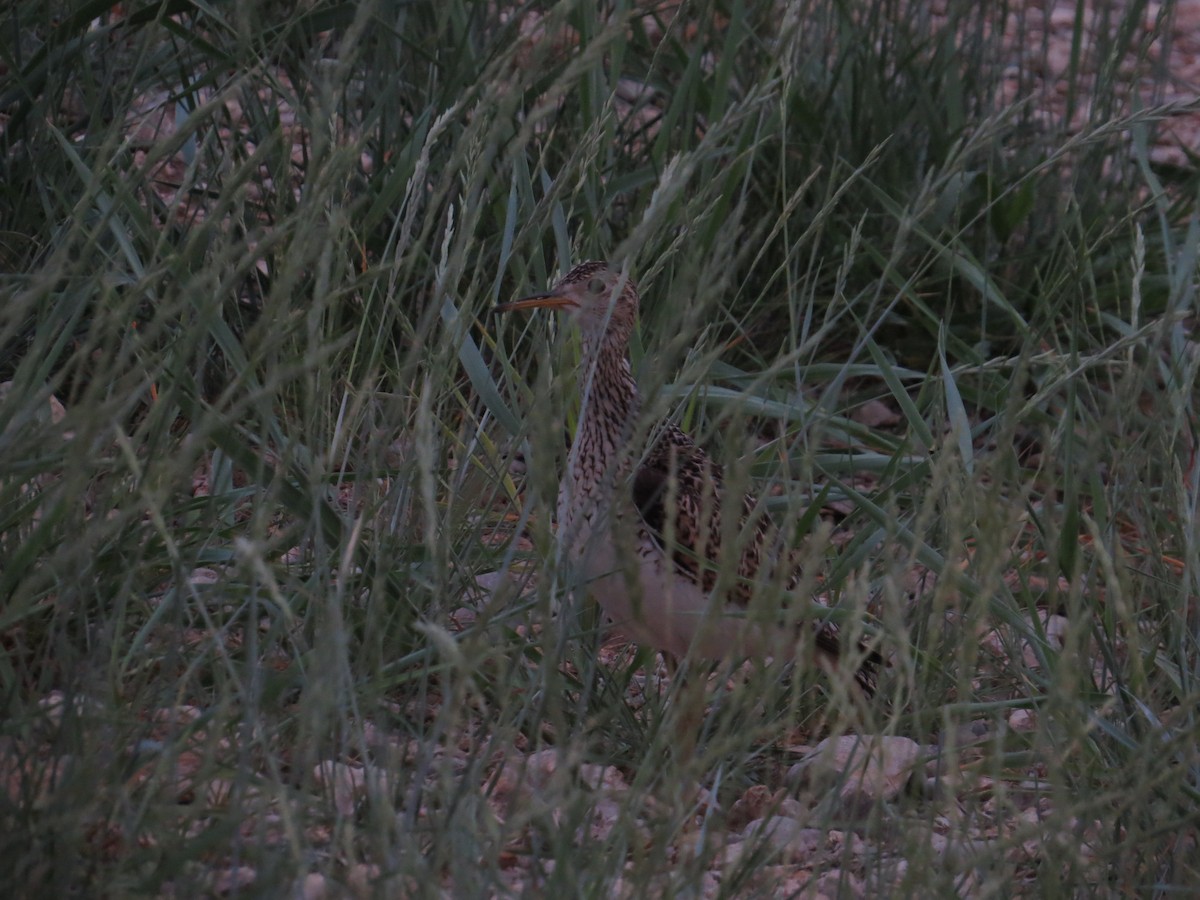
[{"x": 641, "y": 520}]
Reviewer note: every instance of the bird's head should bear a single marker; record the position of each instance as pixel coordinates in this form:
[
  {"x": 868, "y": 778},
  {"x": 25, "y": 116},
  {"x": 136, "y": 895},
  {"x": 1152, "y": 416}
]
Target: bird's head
[{"x": 602, "y": 300}]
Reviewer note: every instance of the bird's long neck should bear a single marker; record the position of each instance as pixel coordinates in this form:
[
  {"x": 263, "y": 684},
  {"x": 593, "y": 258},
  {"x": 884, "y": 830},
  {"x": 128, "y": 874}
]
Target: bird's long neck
[
  {"x": 609, "y": 410},
  {"x": 600, "y": 454}
]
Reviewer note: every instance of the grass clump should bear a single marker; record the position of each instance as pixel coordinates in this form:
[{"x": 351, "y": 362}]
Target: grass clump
[{"x": 924, "y": 280}]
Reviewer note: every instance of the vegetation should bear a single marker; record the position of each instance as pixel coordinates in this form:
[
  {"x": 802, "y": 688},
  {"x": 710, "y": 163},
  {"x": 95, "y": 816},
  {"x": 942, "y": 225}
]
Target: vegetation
[{"x": 266, "y": 614}]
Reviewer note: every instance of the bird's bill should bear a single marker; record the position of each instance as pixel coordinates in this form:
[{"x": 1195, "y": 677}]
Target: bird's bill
[{"x": 538, "y": 301}]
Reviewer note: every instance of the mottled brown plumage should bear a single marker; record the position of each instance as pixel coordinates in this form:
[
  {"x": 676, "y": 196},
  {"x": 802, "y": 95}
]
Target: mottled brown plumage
[
  {"x": 674, "y": 514},
  {"x": 645, "y": 530}
]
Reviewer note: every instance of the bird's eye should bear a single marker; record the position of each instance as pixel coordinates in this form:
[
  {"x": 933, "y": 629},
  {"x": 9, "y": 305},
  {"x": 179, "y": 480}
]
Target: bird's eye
[{"x": 596, "y": 286}]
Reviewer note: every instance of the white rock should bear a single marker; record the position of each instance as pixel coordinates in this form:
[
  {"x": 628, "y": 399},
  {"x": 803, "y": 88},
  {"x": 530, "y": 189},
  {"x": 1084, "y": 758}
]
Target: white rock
[
  {"x": 874, "y": 414},
  {"x": 218, "y": 791},
  {"x": 526, "y": 774},
  {"x": 608, "y": 778},
  {"x": 362, "y": 879},
  {"x": 54, "y": 706},
  {"x": 183, "y": 714},
  {"x": 203, "y": 576},
  {"x": 869, "y": 768},
  {"x": 786, "y": 836},
  {"x": 314, "y": 887},
  {"x": 1023, "y": 720},
  {"x": 602, "y": 819},
  {"x": 349, "y": 784}
]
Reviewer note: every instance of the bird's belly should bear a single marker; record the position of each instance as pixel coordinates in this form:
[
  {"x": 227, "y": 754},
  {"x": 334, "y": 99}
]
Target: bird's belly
[
  {"x": 648, "y": 600},
  {"x": 651, "y": 603}
]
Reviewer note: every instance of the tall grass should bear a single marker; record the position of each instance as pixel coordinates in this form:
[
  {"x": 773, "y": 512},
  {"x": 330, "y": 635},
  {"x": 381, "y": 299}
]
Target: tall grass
[{"x": 264, "y": 597}]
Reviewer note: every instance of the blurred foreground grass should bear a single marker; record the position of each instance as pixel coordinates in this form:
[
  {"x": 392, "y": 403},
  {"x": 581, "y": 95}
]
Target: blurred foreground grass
[{"x": 927, "y": 276}]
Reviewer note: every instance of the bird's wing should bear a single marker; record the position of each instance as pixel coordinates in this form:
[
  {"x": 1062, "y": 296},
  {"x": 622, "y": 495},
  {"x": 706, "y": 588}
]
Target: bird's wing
[{"x": 679, "y": 493}]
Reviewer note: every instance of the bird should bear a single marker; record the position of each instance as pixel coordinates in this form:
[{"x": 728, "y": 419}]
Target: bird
[{"x": 642, "y": 517}]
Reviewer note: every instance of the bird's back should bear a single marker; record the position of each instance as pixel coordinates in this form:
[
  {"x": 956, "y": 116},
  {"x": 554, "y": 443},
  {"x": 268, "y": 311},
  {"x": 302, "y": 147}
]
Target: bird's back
[{"x": 682, "y": 505}]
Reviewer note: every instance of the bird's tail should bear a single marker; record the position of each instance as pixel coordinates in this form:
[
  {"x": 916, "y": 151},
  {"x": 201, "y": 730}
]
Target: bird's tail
[{"x": 867, "y": 673}]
